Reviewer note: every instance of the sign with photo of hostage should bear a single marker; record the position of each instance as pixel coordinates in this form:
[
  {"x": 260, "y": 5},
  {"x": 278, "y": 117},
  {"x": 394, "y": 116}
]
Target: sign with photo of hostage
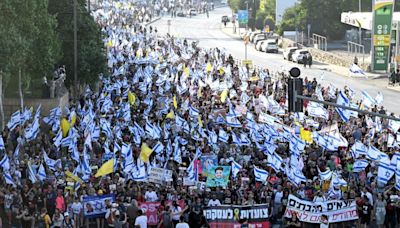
[
  {"x": 218, "y": 176},
  {"x": 207, "y": 161}
]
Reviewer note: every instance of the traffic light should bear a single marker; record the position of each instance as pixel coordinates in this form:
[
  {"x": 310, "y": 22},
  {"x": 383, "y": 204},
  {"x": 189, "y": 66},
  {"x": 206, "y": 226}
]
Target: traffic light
[{"x": 295, "y": 86}]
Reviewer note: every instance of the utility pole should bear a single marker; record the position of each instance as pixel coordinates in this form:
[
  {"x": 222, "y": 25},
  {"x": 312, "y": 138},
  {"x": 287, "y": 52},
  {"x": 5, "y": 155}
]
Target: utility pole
[
  {"x": 359, "y": 26},
  {"x": 75, "y": 51}
]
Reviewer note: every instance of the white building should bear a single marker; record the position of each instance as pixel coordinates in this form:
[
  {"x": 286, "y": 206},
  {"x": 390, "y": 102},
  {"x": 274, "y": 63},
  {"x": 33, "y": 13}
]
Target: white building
[{"x": 281, "y": 6}]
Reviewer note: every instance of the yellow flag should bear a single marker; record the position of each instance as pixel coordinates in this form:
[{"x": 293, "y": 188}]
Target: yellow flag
[
  {"x": 186, "y": 72},
  {"x": 110, "y": 44},
  {"x": 208, "y": 67},
  {"x": 65, "y": 126},
  {"x": 306, "y": 135},
  {"x": 224, "y": 95},
  {"x": 145, "y": 153},
  {"x": 200, "y": 121},
  {"x": 73, "y": 177},
  {"x": 175, "y": 102},
  {"x": 106, "y": 168},
  {"x": 170, "y": 115},
  {"x": 131, "y": 97},
  {"x": 221, "y": 70}
]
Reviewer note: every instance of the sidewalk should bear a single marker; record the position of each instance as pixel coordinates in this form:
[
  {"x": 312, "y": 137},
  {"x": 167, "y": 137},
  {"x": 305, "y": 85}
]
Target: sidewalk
[{"x": 228, "y": 30}]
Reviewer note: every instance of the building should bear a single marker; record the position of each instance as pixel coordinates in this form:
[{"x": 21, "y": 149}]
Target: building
[{"x": 281, "y": 6}]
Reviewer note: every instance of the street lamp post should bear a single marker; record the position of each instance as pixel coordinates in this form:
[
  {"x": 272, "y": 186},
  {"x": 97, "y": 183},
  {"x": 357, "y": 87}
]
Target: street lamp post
[{"x": 75, "y": 51}]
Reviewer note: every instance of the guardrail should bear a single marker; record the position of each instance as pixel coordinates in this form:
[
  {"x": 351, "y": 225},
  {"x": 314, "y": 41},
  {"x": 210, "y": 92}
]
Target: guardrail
[
  {"x": 356, "y": 48},
  {"x": 320, "y": 42}
]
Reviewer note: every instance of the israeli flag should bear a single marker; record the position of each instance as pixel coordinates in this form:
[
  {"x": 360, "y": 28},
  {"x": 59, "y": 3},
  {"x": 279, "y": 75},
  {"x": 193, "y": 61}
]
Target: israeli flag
[
  {"x": 260, "y": 174},
  {"x": 8, "y": 178},
  {"x": 125, "y": 149},
  {"x": 51, "y": 163},
  {"x": 158, "y": 148},
  {"x": 42, "y": 173},
  {"x": 140, "y": 129},
  {"x": 326, "y": 175},
  {"x": 140, "y": 174},
  {"x": 385, "y": 171},
  {"x": 360, "y": 165},
  {"x": 193, "y": 112},
  {"x": 58, "y": 138},
  {"x": 177, "y": 153},
  {"x": 244, "y": 140},
  {"x": 355, "y": 70},
  {"x": 275, "y": 161},
  {"x": 106, "y": 128},
  {"x": 368, "y": 101},
  {"x": 343, "y": 100},
  {"x": 31, "y": 174},
  {"x": 397, "y": 185},
  {"x": 317, "y": 110},
  {"x": 236, "y": 139},
  {"x": 33, "y": 130},
  {"x": 296, "y": 144},
  {"x": 74, "y": 153},
  {"x": 220, "y": 120},
  {"x": 358, "y": 149},
  {"x": 5, "y": 162},
  {"x": 298, "y": 175},
  {"x": 374, "y": 154},
  {"x": 223, "y": 136},
  {"x": 235, "y": 167},
  {"x": 14, "y": 121},
  {"x": 150, "y": 131}
]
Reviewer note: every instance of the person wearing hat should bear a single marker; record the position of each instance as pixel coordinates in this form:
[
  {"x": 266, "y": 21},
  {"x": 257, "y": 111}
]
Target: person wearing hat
[{"x": 68, "y": 221}]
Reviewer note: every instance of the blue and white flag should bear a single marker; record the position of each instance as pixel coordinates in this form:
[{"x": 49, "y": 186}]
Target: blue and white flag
[
  {"x": 385, "y": 171},
  {"x": 31, "y": 174},
  {"x": 367, "y": 101},
  {"x": 260, "y": 174},
  {"x": 235, "y": 167},
  {"x": 193, "y": 112},
  {"x": 51, "y": 163},
  {"x": 5, "y": 162},
  {"x": 8, "y": 178},
  {"x": 233, "y": 122},
  {"x": 58, "y": 138},
  {"x": 42, "y": 173},
  {"x": 343, "y": 100},
  {"x": 355, "y": 70},
  {"x": 158, "y": 148},
  {"x": 360, "y": 165},
  {"x": 223, "y": 136},
  {"x": 374, "y": 154},
  {"x": 177, "y": 152},
  {"x": 235, "y": 139},
  {"x": 2, "y": 147},
  {"x": 14, "y": 121},
  {"x": 379, "y": 98},
  {"x": 33, "y": 130},
  {"x": 317, "y": 110},
  {"x": 358, "y": 149},
  {"x": 275, "y": 161}
]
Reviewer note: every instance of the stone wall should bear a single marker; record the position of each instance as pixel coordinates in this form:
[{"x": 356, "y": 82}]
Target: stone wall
[
  {"x": 326, "y": 57},
  {"x": 11, "y": 105}
]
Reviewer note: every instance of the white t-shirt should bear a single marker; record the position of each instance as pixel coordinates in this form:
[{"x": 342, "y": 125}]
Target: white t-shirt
[
  {"x": 151, "y": 196},
  {"x": 278, "y": 197},
  {"x": 176, "y": 210},
  {"x": 76, "y": 208},
  {"x": 141, "y": 221},
  {"x": 182, "y": 225},
  {"x": 212, "y": 203}
]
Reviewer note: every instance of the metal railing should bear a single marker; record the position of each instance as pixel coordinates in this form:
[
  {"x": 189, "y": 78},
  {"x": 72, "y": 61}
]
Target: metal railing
[
  {"x": 355, "y": 48},
  {"x": 320, "y": 42}
]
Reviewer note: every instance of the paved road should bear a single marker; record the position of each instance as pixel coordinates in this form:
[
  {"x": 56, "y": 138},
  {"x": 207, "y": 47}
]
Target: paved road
[{"x": 209, "y": 32}]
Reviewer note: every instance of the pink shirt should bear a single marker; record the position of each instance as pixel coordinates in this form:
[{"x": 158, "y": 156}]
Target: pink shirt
[{"x": 60, "y": 204}]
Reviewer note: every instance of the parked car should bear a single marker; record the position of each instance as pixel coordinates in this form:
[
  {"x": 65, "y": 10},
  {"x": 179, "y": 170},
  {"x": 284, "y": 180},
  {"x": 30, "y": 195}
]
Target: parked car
[
  {"x": 253, "y": 34},
  {"x": 224, "y": 19},
  {"x": 181, "y": 14},
  {"x": 288, "y": 52},
  {"x": 297, "y": 56},
  {"x": 261, "y": 36},
  {"x": 270, "y": 46}
]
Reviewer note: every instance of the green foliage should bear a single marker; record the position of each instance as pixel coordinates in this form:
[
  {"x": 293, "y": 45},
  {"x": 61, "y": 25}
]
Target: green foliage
[
  {"x": 91, "y": 53},
  {"x": 260, "y": 19},
  {"x": 29, "y": 42},
  {"x": 294, "y": 17}
]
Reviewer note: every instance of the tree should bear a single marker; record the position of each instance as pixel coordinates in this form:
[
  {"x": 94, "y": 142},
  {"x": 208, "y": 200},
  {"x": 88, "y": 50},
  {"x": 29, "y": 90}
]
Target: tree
[
  {"x": 91, "y": 52},
  {"x": 294, "y": 17},
  {"x": 29, "y": 43}
]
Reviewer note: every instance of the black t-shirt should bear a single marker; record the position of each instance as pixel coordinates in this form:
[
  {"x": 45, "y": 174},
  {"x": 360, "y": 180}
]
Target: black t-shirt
[{"x": 366, "y": 210}]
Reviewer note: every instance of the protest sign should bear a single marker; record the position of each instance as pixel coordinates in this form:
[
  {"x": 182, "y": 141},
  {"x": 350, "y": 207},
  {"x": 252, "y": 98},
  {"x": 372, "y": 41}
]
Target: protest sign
[
  {"x": 310, "y": 212},
  {"x": 207, "y": 161},
  {"x": 229, "y": 216},
  {"x": 218, "y": 176},
  {"x": 160, "y": 176},
  {"x": 95, "y": 206},
  {"x": 151, "y": 209}
]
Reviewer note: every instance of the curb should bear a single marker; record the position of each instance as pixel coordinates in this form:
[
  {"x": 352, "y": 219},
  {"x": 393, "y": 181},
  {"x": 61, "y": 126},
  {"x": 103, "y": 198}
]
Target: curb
[{"x": 393, "y": 88}]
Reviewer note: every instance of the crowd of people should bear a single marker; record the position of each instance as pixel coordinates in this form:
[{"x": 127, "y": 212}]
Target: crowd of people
[{"x": 167, "y": 103}]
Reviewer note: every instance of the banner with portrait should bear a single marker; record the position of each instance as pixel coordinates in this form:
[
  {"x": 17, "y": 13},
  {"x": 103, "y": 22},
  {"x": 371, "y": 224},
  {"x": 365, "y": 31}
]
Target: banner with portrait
[
  {"x": 218, "y": 176},
  {"x": 207, "y": 161},
  {"x": 231, "y": 216},
  {"x": 96, "y": 206},
  {"x": 310, "y": 212}
]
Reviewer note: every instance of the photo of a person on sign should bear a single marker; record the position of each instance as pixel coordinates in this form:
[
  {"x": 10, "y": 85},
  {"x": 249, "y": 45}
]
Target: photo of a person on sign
[{"x": 218, "y": 176}]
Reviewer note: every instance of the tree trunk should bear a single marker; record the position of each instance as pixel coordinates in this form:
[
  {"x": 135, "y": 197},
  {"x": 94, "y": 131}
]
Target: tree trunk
[{"x": 20, "y": 90}]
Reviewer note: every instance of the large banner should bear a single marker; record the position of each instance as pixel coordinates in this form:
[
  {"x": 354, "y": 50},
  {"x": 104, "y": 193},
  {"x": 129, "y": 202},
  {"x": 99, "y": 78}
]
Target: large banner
[
  {"x": 229, "y": 216},
  {"x": 382, "y": 28},
  {"x": 336, "y": 210},
  {"x": 207, "y": 161},
  {"x": 152, "y": 209},
  {"x": 95, "y": 206},
  {"x": 218, "y": 176},
  {"x": 160, "y": 176}
]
